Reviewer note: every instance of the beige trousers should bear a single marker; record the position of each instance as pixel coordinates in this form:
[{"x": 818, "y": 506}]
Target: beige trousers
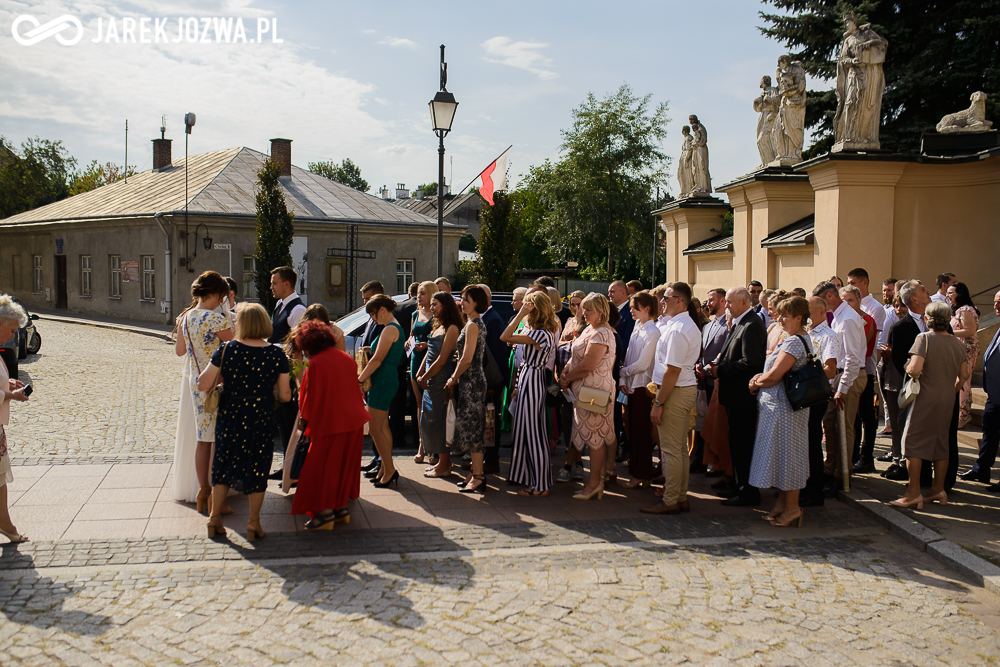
[
  {"x": 830, "y": 426},
  {"x": 675, "y": 422}
]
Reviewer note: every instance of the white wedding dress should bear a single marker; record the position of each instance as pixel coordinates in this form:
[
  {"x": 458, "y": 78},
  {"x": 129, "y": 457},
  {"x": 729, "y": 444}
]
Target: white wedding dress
[{"x": 185, "y": 478}]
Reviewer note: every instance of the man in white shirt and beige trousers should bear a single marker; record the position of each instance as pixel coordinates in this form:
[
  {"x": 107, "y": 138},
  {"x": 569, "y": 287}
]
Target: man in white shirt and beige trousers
[
  {"x": 850, "y": 328},
  {"x": 677, "y": 353}
]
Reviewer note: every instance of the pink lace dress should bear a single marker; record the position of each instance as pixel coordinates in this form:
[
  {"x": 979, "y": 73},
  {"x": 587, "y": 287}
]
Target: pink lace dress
[
  {"x": 971, "y": 354},
  {"x": 589, "y": 428}
]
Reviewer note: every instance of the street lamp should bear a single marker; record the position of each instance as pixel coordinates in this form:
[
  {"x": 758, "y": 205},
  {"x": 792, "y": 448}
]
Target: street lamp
[
  {"x": 443, "y": 108},
  {"x": 189, "y": 121},
  {"x": 207, "y": 241}
]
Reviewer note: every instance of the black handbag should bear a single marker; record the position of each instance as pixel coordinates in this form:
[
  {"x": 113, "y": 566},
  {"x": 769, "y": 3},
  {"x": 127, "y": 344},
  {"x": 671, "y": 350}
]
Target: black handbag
[
  {"x": 809, "y": 385},
  {"x": 494, "y": 378},
  {"x": 299, "y": 457}
]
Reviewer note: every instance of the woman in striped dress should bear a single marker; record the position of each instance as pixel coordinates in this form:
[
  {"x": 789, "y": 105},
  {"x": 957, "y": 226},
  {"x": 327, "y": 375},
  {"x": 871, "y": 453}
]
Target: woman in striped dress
[{"x": 530, "y": 459}]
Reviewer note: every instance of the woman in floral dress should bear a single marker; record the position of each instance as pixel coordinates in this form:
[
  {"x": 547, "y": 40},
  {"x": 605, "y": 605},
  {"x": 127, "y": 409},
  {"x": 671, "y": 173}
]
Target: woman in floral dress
[
  {"x": 965, "y": 324},
  {"x": 469, "y": 382},
  {"x": 200, "y": 331}
]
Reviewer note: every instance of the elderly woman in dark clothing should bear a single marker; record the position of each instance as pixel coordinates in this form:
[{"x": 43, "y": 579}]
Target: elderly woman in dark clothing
[
  {"x": 329, "y": 478},
  {"x": 254, "y": 372}
]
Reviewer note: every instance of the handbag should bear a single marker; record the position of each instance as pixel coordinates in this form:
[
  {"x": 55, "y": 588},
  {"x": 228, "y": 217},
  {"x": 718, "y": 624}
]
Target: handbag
[
  {"x": 594, "y": 400},
  {"x": 908, "y": 394},
  {"x": 361, "y": 356},
  {"x": 494, "y": 378},
  {"x": 299, "y": 458},
  {"x": 214, "y": 395},
  {"x": 449, "y": 423},
  {"x": 809, "y": 385}
]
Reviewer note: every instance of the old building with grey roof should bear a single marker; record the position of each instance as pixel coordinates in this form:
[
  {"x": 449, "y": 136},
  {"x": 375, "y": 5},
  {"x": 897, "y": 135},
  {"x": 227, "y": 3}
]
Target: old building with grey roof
[{"x": 128, "y": 249}]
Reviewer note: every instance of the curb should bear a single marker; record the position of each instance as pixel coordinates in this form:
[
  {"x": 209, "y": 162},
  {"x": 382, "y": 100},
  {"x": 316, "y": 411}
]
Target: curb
[
  {"x": 980, "y": 570},
  {"x": 108, "y": 325}
]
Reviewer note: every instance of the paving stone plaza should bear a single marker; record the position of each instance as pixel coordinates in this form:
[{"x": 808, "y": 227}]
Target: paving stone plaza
[{"x": 424, "y": 577}]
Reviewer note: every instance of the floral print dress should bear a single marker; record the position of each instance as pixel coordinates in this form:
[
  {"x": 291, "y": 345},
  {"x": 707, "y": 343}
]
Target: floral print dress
[
  {"x": 201, "y": 329},
  {"x": 971, "y": 354}
]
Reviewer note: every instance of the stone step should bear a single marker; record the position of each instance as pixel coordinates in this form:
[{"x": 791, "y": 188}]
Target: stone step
[
  {"x": 978, "y": 396},
  {"x": 977, "y": 416},
  {"x": 970, "y": 436}
]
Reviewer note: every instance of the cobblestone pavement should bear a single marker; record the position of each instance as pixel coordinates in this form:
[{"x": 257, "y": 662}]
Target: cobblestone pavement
[
  {"x": 722, "y": 601},
  {"x": 98, "y": 393}
]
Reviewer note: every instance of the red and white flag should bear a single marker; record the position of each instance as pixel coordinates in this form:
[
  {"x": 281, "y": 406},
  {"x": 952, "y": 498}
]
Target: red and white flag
[{"x": 494, "y": 177}]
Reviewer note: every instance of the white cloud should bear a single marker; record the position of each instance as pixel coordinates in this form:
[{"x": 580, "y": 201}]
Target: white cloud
[
  {"x": 367, "y": 31},
  {"x": 398, "y": 42},
  {"x": 523, "y": 55}
]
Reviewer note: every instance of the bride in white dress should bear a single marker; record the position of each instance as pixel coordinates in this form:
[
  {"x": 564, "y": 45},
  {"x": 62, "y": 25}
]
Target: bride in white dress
[{"x": 200, "y": 331}]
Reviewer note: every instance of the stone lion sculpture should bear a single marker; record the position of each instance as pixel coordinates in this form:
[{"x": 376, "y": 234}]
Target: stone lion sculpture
[{"x": 972, "y": 119}]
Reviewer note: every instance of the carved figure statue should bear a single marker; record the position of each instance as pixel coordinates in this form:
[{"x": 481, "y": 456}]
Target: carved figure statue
[
  {"x": 684, "y": 165},
  {"x": 766, "y": 104},
  {"x": 860, "y": 84},
  {"x": 699, "y": 158},
  {"x": 790, "y": 126},
  {"x": 972, "y": 119}
]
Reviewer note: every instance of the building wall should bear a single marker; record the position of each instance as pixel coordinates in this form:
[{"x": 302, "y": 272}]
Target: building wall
[
  {"x": 711, "y": 271},
  {"x": 794, "y": 267},
  {"x": 131, "y": 239}
]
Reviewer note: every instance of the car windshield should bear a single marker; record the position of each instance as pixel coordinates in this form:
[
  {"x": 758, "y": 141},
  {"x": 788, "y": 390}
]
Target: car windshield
[{"x": 354, "y": 322}]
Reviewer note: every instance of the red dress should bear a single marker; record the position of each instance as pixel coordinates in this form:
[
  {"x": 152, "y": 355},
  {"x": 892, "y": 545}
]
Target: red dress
[{"x": 331, "y": 403}]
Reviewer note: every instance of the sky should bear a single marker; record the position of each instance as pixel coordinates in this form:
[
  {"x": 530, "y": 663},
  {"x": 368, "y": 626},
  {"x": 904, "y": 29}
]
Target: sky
[{"x": 353, "y": 79}]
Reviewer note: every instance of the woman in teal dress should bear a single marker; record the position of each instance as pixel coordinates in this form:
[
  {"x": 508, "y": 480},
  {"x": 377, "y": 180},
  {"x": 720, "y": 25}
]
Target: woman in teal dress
[
  {"x": 382, "y": 369},
  {"x": 421, "y": 327}
]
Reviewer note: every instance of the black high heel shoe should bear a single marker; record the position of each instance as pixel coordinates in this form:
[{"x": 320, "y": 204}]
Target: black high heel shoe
[
  {"x": 374, "y": 464},
  {"x": 373, "y": 475},
  {"x": 394, "y": 478},
  {"x": 479, "y": 488}
]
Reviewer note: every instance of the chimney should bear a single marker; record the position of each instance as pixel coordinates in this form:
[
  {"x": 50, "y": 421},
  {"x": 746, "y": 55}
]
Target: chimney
[
  {"x": 281, "y": 152},
  {"x": 401, "y": 191},
  {"x": 420, "y": 193},
  {"x": 161, "y": 154}
]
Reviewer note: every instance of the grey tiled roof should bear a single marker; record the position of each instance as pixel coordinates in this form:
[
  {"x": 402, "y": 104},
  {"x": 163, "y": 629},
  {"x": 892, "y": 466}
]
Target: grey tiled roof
[
  {"x": 798, "y": 233},
  {"x": 221, "y": 182},
  {"x": 718, "y": 243}
]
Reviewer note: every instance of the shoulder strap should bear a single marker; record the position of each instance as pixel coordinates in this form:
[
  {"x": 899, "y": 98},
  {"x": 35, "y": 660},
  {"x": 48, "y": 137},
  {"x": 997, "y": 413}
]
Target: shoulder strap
[
  {"x": 810, "y": 355},
  {"x": 187, "y": 335}
]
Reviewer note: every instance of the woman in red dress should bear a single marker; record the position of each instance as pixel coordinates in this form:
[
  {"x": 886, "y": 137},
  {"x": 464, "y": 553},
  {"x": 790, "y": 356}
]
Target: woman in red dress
[{"x": 332, "y": 416}]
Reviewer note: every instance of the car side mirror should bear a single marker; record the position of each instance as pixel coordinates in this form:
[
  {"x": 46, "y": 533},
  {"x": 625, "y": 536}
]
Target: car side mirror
[{"x": 33, "y": 317}]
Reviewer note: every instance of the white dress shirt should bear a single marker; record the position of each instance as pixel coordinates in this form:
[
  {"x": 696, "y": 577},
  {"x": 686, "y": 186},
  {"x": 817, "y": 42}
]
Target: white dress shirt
[
  {"x": 679, "y": 346},
  {"x": 851, "y": 329},
  {"x": 890, "y": 319},
  {"x": 297, "y": 312},
  {"x": 827, "y": 345},
  {"x": 937, "y": 296},
  {"x": 637, "y": 370},
  {"x": 873, "y": 309},
  {"x": 920, "y": 321},
  {"x": 661, "y": 323}
]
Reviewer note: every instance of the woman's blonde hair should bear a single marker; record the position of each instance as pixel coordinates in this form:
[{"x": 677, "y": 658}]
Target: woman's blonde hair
[
  {"x": 600, "y": 303},
  {"x": 938, "y": 316},
  {"x": 11, "y": 311},
  {"x": 554, "y": 297},
  {"x": 252, "y": 322},
  {"x": 430, "y": 288},
  {"x": 577, "y": 294},
  {"x": 543, "y": 316}
]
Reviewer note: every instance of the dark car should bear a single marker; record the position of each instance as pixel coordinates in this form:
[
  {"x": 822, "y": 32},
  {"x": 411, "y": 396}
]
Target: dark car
[{"x": 25, "y": 341}]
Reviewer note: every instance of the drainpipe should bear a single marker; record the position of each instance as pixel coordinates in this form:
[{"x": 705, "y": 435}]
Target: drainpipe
[{"x": 170, "y": 278}]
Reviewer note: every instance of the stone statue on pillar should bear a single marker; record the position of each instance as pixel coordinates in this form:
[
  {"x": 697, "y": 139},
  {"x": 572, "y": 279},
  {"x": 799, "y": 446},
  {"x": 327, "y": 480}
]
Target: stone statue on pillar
[
  {"x": 972, "y": 119},
  {"x": 860, "y": 84},
  {"x": 790, "y": 125},
  {"x": 699, "y": 158},
  {"x": 766, "y": 104},
  {"x": 685, "y": 171}
]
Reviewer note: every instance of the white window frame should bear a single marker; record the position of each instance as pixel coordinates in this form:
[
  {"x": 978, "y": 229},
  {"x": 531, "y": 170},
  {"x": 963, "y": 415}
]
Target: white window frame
[
  {"x": 36, "y": 269},
  {"x": 404, "y": 274},
  {"x": 148, "y": 278},
  {"x": 249, "y": 279},
  {"x": 85, "y": 276},
  {"x": 114, "y": 276}
]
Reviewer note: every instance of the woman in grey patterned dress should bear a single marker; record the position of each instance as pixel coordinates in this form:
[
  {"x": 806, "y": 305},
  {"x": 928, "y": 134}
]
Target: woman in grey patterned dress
[
  {"x": 781, "y": 449},
  {"x": 469, "y": 383}
]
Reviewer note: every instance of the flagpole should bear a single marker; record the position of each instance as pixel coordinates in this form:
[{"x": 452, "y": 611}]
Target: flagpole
[{"x": 458, "y": 192}]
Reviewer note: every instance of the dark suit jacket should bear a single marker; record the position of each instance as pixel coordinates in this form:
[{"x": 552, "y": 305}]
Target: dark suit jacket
[
  {"x": 404, "y": 315},
  {"x": 372, "y": 331},
  {"x": 991, "y": 369},
  {"x": 494, "y": 327},
  {"x": 901, "y": 336},
  {"x": 742, "y": 358},
  {"x": 624, "y": 328}
]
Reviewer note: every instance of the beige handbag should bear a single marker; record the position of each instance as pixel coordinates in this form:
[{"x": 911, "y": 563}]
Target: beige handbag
[
  {"x": 361, "y": 356},
  {"x": 594, "y": 400},
  {"x": 215, "y": 393}
]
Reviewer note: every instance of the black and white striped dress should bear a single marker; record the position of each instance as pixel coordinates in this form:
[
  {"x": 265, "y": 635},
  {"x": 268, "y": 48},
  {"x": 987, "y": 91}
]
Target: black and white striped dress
[{"x": 530, "y": 459}]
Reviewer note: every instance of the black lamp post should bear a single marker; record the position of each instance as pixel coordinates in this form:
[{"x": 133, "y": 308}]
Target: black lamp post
[
  {"x": 207, "y": 241},
  {"x": 189, "y": 121},
  {"x": 443, "y": 108}
]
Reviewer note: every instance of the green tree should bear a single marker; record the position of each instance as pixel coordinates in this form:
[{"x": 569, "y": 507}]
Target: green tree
[
  {"x": 467, "y": 242},
  {"x": 532, "y": 248},
  {"x": 600, "y": 193},
  {"x": 938, "y": 55},
  {"x": 429, "y": 190},
  {"x": 274, "y": 230},
  {"x": 345, "y": 173},
  {"x": 499, "y": 233},
  {"x": 36, "y": 175},
  {"x": 96, "y": 175}
]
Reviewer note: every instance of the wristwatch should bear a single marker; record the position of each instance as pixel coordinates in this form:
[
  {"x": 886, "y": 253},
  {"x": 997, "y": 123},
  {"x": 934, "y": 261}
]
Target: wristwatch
[{"x": 656, "y": 403}]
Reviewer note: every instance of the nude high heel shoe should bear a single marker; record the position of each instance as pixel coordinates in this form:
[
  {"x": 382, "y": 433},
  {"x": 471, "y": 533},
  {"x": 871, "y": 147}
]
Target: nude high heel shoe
[{"x": 599, "y": 492}]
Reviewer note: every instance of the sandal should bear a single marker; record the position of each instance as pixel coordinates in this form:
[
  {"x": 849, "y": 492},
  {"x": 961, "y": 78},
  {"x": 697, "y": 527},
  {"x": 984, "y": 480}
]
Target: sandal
[
  {"x": 774, "y": 514},
  {"x": 636, "y": 484},
  {"x": 528, "y": 491},
  {"x": 323, "y": 521},
  {"x": 431, "y": 472}
]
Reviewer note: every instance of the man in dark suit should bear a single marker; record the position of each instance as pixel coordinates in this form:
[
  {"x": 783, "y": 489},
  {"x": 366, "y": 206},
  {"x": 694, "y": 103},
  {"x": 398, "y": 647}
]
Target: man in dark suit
[
  {"x": 398, "y": 408},
  {"x": 991, "y": 414},
  {"x": 500, "y": 352},
  {"x": 742, "y": 358},
  {"x": 618, "y": 296}
]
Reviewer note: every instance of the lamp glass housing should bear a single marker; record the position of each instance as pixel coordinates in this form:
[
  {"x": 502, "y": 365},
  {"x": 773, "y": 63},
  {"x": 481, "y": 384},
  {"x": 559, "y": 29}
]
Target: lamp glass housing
[{"x": 443, "y": 108}]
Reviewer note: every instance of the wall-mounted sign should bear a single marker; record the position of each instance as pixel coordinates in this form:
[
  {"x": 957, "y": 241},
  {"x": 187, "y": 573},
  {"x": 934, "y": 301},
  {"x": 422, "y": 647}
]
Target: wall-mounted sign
[
  {"x": 130, "y": 272},
  {"x": 59, "y": 246},
  {"x": 223, "y": 246}
]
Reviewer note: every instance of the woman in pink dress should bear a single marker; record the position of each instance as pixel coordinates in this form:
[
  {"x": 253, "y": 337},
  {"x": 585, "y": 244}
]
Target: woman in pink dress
[
  {"x": 590, "y": 367},
  {"x": 965, "y": 324}
]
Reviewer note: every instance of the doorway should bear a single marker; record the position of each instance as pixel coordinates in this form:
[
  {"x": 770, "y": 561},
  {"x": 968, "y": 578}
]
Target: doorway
[{"x": 60, "y": 281}]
